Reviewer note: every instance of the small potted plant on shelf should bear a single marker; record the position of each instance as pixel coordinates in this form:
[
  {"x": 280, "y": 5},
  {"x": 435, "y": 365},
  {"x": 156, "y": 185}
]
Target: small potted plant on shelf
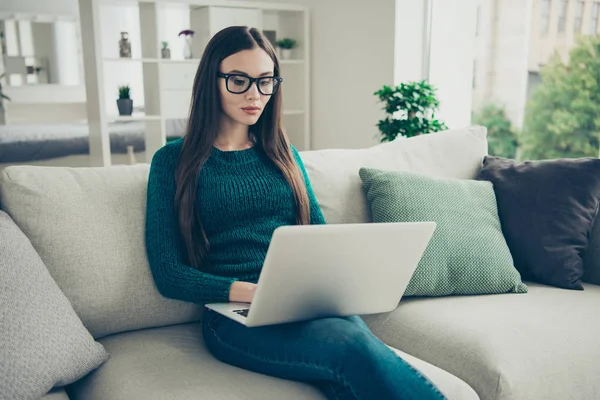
[
  {"x": 124, "y": 102},
  {"x": 188, "y": 34},
  {"x": 286, "y": 45},
  {"x": 165, "y": 52}
]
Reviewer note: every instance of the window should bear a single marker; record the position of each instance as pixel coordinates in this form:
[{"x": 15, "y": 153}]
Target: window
[
  {"x": 595, "y": 15},
  {"x": 545, "y": 16},
  {"x": 474, "y": 74},
  {"x": 579, "y": 17},
  {"x": 562, "y": 19}
]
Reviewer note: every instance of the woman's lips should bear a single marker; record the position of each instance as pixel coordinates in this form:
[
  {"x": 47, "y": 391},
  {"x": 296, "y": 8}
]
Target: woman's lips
[{"x": 251, "y": 110}]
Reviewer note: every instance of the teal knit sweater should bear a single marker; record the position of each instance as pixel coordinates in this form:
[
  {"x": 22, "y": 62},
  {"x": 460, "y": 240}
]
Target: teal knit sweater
[{"x": 242, "y": 198}]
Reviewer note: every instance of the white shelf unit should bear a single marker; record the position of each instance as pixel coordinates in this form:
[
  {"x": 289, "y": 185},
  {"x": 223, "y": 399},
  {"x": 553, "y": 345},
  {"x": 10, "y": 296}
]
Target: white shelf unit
[{"x": 164, "y": 86}]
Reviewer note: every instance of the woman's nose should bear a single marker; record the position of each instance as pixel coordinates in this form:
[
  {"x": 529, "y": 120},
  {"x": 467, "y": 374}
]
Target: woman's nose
[{"x": 253, "y": 92}]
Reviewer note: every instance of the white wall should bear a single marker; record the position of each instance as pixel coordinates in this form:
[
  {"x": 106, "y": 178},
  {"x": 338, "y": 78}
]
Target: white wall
[{"x": 352, "y": 57}]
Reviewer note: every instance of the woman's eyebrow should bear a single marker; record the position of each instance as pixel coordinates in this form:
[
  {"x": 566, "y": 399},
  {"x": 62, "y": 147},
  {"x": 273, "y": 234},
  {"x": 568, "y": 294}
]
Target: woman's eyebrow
[{"x": 237, "y": 71}]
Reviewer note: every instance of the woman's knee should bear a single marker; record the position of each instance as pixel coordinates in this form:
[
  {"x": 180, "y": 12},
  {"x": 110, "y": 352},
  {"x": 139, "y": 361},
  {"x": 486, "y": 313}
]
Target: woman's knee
[
  {"x": 350, "y": 339},
  {"x": 363, "y": 346}
]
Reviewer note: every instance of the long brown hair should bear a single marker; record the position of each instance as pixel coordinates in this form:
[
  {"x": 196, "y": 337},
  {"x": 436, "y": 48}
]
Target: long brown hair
[{"x": 202, "y": 130}]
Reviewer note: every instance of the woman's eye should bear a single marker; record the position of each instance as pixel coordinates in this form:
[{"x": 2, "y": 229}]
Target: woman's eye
[{"x": 239, "y": 82}]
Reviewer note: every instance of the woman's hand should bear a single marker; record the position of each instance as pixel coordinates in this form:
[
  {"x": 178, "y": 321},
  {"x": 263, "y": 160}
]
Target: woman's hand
[{"x": 242, "y": 292}]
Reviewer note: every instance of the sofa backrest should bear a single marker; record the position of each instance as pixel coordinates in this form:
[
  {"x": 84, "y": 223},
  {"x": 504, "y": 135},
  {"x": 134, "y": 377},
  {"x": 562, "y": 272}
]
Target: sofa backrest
[
  {"x": 88, "y": 224},
  {"x": 334, "y": 173}
]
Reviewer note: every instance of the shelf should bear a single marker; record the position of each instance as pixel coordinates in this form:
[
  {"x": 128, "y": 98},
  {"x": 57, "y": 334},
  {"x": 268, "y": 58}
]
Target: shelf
[
  {"x": 142, "y": 117},
  {"x": 197, "y": 61},
  {"x": 134, "y": 117},
  {"x": 144, "y": 60},
  {"x": 194, "y": 61},
  {"x": 124, "y": 2},
  {"x": 293, "y": 112},
  {"x": 162, "y": 88}
]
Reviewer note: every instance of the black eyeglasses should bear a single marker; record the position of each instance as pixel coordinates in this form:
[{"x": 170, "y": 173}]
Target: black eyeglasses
[{"x": 238, "y": 84}]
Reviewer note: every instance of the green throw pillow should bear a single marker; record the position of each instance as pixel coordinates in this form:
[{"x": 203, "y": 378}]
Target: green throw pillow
[{"x": 467, "y": 254}]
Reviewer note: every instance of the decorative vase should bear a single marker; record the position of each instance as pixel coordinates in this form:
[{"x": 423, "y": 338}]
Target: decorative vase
[
  {"x": 187, "y": 48},
  {"x": 125, "y": 106},
  {"x": 286, "y": 54},
  {"x": 124, "y": 46},
  {"x": 165, "y": 53}
]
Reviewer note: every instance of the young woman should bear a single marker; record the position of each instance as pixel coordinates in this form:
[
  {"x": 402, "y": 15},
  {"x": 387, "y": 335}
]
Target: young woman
[{"x": 214, "y": 199}]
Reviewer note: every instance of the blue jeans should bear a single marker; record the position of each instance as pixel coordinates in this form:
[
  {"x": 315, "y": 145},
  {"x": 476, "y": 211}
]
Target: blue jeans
[{"x": 338, "y": 355}]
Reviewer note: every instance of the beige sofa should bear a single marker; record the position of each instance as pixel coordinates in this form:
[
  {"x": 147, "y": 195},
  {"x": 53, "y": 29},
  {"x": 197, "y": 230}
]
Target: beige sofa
[{"x": 87, "y": 224}]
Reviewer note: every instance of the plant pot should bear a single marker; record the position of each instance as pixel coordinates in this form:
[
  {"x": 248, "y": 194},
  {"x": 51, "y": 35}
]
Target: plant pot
[
  {"x": 286, "y": 54},
  {"x": 125, "y": 106},
  {"x": 165, "y": 53}
]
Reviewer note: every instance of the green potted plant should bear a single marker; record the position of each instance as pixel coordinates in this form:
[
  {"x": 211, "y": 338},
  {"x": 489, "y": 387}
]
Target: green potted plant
[
  {"x": 124, "y": 102},
  {"x": 286, "y": 45},
  {"x": 165, "y": 52},
  {"x": 410, "y": 109}
]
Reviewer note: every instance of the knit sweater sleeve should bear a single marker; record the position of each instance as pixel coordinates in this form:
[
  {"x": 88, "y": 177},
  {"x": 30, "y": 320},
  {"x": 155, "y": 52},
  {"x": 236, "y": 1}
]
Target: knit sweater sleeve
[
  {"x": 316, "y": 216},
  {"x": 174, "y": 279}
]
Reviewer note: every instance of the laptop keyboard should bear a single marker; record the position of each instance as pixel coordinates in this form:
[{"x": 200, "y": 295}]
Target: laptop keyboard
[{"x": 243, "y": 313}]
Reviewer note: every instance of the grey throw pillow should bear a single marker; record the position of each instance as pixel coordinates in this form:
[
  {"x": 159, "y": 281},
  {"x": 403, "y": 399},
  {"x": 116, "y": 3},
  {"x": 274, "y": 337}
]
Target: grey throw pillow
[{"x": 43, "y": 343}]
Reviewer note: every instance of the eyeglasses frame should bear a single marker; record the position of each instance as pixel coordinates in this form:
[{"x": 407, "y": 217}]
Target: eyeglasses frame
[{"x": 278, "y": 79}]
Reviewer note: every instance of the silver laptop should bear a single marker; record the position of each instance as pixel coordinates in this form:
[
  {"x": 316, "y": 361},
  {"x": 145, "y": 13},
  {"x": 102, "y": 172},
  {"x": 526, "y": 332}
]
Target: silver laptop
[{"x": 332, "y": 270}]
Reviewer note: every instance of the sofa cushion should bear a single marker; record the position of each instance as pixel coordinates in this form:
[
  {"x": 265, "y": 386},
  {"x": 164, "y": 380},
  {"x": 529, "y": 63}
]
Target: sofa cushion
[
  {"x": 87, "y": 224},
  {"x": 547, "y": 209},
  {"x": 173, "y": 363},
  {"x": 539, "y": 345},
  {"x": 334, "y": 172},
  {"x": 467, "y": 253},
  {"x": 43, "y": 343}
]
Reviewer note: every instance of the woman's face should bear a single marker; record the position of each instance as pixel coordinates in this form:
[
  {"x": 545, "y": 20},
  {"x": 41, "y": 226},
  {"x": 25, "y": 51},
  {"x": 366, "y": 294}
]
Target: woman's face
[{"x": 247, "y": 107}]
